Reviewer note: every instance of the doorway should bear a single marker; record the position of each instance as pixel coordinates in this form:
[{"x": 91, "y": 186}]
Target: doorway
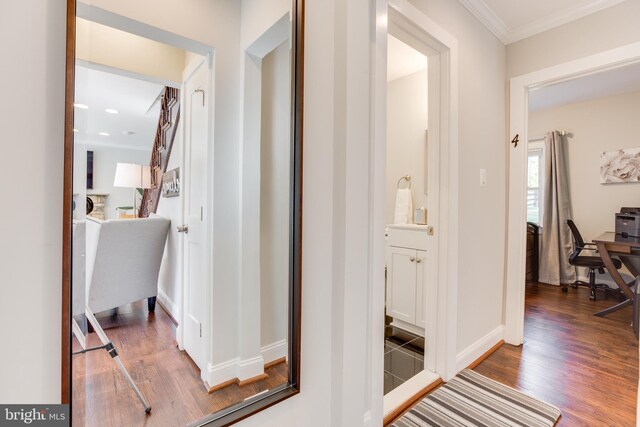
[
  {"x": 410, "y": 26},
  {"x": 521, "y": 91}
]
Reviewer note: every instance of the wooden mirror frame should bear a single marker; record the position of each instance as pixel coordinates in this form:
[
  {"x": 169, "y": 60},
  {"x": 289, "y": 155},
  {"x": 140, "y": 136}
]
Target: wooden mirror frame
[{"x": 245, "y": 409}]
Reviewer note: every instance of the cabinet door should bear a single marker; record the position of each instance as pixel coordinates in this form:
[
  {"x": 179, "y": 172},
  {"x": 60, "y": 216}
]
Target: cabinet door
[
  {"x": 421, "y": 288},
  {"x": 401, "y": 284}
]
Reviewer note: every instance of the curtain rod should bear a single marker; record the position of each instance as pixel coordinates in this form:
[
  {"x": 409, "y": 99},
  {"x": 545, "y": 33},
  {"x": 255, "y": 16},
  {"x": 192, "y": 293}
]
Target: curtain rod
[{"x": 562, "y": 132}]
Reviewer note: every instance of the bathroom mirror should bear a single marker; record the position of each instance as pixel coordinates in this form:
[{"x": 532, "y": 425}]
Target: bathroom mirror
[{"x": 183, "y": 150}]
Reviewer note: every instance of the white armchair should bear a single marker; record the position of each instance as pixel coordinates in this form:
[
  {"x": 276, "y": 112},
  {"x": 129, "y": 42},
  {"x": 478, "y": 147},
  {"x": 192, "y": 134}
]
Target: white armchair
[{"x": 123, "y": 258}]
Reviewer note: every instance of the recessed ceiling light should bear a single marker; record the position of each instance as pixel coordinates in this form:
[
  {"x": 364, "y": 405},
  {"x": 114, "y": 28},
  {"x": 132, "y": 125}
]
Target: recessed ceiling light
[
  {"x": 111, "y": 111},
  {"x": 128, "y": 132},
  {"x": 75, "y": 130},
  {"x": 103, "y": 133},
  {"x": 81, "y": 106}
]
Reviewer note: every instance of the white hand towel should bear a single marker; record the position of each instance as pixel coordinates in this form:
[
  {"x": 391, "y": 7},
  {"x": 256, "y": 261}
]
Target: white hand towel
[{"x": 404, "y": 207}]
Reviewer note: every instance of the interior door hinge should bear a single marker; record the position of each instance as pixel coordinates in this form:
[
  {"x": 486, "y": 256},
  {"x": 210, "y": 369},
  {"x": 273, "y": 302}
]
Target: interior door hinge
[{"x": 200, "y": 330}]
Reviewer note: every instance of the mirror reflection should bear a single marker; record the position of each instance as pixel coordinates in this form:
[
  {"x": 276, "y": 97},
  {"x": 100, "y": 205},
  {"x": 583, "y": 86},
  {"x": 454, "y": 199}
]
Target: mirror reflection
[{"x": 182, "y": 208}]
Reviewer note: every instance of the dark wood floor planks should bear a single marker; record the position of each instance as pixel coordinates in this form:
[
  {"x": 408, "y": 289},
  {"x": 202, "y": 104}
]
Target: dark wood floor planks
[
  {"x": 167, "y": 377},
  {"x": 583, "y": 364}
]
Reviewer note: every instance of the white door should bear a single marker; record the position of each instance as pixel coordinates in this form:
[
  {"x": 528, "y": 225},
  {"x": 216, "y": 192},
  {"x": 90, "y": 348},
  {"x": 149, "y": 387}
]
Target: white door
[
  {"x": 401, "y": 284},
  {"x": 194, "y": 176}
]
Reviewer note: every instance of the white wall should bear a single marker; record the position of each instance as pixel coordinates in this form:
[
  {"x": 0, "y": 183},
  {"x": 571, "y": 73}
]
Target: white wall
[
  {"x": 603, "y": 124},
  {"x": 274, "y": 195},
  {"x": 31, "y": 218},
  {"x": 105, "y": 160},
  {"x": 102, "y": 45},
  {"x": 407, "y": 122},
  {"x": 601, "y": 31},
  {"x": 482, "y": 63}
]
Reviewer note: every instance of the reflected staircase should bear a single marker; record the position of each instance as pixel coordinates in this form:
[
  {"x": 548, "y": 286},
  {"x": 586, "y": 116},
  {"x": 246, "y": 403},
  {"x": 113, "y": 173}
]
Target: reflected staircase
[{"x": 161, "y": 152}]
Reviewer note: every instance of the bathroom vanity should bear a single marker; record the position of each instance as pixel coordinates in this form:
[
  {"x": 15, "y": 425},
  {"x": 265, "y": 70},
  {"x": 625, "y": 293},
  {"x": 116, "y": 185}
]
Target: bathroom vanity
[{"x": 406, "y": 256}]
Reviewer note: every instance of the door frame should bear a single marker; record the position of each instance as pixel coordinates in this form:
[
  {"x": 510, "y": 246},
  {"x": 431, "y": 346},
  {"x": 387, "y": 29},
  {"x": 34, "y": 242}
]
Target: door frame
[
  {"x": 520, "y": 86},
  {"x": 444, "y": 150}
]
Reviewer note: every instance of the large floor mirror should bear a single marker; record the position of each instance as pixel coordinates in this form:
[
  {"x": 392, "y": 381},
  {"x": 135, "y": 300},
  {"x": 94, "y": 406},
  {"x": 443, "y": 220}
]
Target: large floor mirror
[{"x": 183, "y": 210}]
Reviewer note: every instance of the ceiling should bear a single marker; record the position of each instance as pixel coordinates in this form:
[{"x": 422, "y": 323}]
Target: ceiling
[
  {"x": 402, "y": 59},
  {"x": 606, "y": 83},
  {"x": 135, "y": 100},
  {"x": 513, "y": 20}
]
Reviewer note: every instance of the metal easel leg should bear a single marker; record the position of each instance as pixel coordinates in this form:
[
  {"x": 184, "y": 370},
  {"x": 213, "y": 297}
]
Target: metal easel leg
[
  {"x": 114, "y": 354},
  {"x": 78, "y": 333}
]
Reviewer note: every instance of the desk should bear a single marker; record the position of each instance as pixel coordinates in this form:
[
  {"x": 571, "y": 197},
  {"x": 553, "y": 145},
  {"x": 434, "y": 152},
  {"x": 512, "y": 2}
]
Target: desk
[{"x": 624, "y": 248}]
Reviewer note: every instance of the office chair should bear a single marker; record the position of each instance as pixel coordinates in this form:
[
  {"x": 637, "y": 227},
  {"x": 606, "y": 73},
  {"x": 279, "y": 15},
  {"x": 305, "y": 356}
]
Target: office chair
[{"x": 592, "y": 263}]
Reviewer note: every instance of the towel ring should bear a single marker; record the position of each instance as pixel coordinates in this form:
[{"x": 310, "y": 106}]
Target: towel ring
[{"x": 406, "y": 178}]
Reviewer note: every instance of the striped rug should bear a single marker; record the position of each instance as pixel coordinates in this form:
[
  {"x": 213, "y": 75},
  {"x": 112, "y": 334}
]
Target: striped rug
[{"x": 473, "y": 400}]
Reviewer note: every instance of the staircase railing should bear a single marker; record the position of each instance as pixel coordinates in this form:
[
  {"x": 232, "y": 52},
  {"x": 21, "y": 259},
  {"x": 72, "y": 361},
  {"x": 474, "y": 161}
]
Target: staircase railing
[{"x": 162, "y": 145}]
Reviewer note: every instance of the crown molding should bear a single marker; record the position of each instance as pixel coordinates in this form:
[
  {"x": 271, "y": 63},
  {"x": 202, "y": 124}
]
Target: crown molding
[
  {"x": 494, "y": 24},
  {"x": 560, "y": 18},
  {"x": 480, "y": 10}
]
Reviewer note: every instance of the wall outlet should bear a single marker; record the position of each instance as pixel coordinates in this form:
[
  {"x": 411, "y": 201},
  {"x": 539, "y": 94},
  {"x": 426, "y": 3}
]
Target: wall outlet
[{"x": 483, "y": 177}]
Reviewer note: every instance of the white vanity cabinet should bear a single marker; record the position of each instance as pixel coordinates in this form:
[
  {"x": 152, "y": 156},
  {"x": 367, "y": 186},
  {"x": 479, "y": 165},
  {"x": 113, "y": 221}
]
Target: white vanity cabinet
[{"x": 406, "y": 257}]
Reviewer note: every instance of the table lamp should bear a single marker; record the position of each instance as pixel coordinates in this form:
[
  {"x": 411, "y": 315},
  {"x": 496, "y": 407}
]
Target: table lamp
[{"x": 132, "y": 175}]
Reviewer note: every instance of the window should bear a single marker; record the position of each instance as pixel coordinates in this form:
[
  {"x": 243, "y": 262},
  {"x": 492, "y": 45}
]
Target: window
[{"x": 535, "y": 182}]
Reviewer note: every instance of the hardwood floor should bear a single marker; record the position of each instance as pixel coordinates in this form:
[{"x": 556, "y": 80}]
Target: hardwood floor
[
  {"x": 166, "y": 376},
  {"x": 585, "y": 365}
]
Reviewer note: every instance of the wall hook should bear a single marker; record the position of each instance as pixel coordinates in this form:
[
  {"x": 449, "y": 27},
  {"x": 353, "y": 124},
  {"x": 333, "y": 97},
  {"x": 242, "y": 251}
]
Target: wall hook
[{"x": 202, "y": 92}]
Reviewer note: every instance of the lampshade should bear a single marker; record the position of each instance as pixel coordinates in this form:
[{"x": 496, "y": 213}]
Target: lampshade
[{"x": 132, "y": 175}]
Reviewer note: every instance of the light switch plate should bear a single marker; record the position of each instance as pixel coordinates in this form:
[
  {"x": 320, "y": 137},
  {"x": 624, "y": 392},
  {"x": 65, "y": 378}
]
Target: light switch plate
[{"x": 483, "y": 177}]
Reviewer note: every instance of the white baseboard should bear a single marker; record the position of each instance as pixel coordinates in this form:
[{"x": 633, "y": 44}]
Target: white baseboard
[
  {"x": 274, "y": 351},
  {"x": 222, "y": 372},
  {"x": 250, "y": 368},
  {"x": 168, "y": 303},
  {"x": 477, "y": 349},
  {"x": 234, "y": 369}
]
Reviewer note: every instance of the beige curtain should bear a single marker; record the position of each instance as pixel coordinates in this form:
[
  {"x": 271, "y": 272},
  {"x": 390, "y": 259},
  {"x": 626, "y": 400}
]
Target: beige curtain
[{"x": 556, "y": 236}]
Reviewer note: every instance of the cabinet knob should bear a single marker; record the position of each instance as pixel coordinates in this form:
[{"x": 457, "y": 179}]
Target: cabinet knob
[
  {"x": 412, "y": 259},
  {"x": 419, "y": 260}
]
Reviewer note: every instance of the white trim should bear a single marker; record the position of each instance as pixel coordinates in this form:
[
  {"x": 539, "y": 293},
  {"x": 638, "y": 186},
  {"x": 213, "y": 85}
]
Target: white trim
[
  {"x": 250, "y": 368},
  {"x": 399, "y": 395},
  {"x": 518, "y": 112},
  {"x": 126, "y": 73},
  {"x": 274, "y": 351},
  {"x": 485, "y": 15},
  {"x": 222, "y": 372},
  {"x": 169, "y": 305},
  {"x": 558, "y": 19},
  {"x": 489, "y": 19},
  {"x": 234, "y": 369},
  {"x": 478, "y": 348},
  {"x": 123, "y": 23}
]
